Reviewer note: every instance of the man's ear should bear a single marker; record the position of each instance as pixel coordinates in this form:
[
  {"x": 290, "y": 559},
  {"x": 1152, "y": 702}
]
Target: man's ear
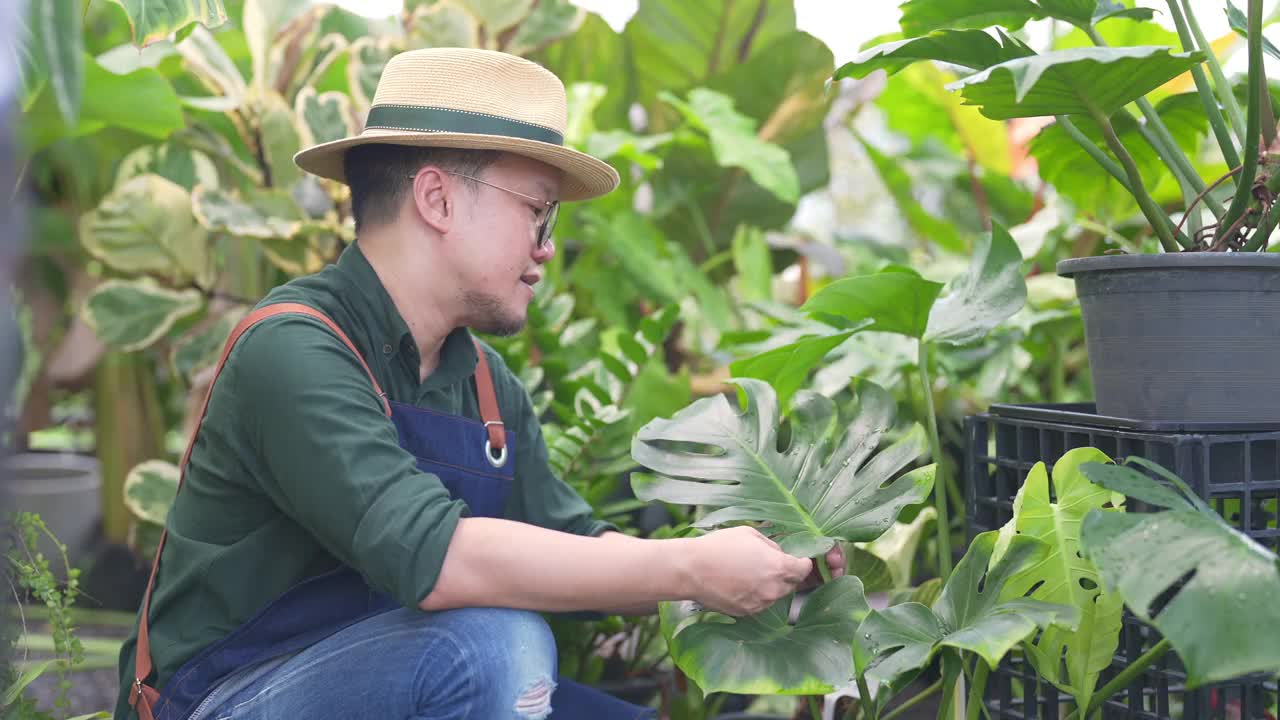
[{"x": 434, "y": 198}]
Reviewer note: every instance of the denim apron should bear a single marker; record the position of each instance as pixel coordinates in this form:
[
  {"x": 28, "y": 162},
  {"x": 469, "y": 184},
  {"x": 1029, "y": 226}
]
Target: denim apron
[{"x": 473, "y": 459}]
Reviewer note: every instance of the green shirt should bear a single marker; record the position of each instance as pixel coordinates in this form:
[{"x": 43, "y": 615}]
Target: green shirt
[{"x": 297, "y": 468}]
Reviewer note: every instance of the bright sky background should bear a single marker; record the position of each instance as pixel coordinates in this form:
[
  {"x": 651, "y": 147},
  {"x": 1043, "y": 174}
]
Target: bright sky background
[{"x": 842, "y": 24}]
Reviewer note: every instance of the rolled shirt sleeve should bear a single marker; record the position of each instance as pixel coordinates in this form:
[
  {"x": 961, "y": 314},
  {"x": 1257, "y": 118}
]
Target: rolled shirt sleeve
[{"x": 332, "y": 458}]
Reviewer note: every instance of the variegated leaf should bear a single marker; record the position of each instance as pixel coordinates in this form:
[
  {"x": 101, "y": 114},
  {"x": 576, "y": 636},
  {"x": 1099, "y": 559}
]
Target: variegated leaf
[
  {"x": 149, "y": 490},
  {"x": 445, "y": 24},
  {"x": 324, "y": 117},
  {"x": 498, "y": 15},
  {"x": 146, "y": 226},
  {"x": 550, "y": 20},
  {"x": 209, "y": 62},
  {"x": 264, "y": 215},
  {"x": 175, "y": 163},
  {"x": 133, "y": 314},
  {"x": 153, "y": 20},
  {"x": 368, "y": 57}
]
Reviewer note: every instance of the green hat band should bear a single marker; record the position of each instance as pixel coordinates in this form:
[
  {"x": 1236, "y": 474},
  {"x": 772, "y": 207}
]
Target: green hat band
[{"x": 434, "y": 119}]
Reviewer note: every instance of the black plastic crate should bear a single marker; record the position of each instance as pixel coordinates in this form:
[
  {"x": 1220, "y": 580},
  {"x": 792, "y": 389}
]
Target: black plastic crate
[{"x": 1236, "y": 472}]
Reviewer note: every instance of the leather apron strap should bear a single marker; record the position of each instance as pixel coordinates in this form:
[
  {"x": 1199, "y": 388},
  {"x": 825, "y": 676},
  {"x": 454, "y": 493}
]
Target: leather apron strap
[{"x": 142, "y": 697}]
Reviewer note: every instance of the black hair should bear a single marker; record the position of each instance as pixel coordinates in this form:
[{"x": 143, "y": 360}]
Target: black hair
[{"x": 379, "y": 175}]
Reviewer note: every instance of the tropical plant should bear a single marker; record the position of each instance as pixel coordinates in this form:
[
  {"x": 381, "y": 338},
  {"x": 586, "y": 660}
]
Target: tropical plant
[
  {"x": 897, "y": 300},
  {"x": 807, "y": 496},
  {"x": 1088, "y": 91},
  {"x": 1203, "y": 584}
]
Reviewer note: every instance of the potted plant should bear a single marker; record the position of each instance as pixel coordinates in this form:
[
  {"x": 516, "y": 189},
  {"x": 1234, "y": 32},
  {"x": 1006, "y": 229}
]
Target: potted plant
[{"x": 1161, "y": 326}]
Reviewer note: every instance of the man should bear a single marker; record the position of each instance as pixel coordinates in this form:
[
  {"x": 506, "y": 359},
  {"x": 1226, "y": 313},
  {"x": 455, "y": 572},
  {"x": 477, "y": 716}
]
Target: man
[{"x": 368, "y": 525}]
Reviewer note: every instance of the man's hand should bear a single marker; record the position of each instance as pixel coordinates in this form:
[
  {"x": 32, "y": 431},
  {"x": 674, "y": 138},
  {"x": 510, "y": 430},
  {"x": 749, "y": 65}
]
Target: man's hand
[
  {"x": 835, "y": 561},
  {"x": 739, "y": 572}
]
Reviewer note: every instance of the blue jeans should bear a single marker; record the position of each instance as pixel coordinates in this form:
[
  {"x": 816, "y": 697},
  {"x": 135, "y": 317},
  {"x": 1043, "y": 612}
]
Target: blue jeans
[{"x": 470, "y": 663}]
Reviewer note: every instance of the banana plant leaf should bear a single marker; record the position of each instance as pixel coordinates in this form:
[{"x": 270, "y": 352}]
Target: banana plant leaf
[
  {"x": 969, "y": 615},
  {"x": 1078, "y": 81},
  {"x": 1208, "y": 588},
  {"x": 1072, "y": 660},
  {"x": 713, "y": 455},
  {"x": 764, "y": 653}
]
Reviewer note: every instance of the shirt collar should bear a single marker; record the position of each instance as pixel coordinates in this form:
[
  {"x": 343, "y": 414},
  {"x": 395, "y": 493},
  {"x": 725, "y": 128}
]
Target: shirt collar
[{"x": 387, "y": 327}]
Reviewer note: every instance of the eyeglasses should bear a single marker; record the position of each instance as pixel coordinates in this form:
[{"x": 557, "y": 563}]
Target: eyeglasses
[{"x": 549, "y": 214}]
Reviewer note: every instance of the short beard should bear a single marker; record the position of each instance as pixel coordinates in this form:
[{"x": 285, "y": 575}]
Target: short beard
[{"x": 487, "y": 315}]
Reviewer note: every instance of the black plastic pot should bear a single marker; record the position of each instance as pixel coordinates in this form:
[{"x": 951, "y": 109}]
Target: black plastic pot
[{"x": 1188, "y": 337}]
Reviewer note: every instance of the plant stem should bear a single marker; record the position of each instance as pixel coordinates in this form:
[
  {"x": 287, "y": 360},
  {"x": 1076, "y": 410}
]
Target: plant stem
[
  {"x": 1175, "y": 158},
  {"x": 866, "y": 700},
  {"x": 815, "y": 707},
  {"x": 1159, "y": 221},
  {"x": 1264, "y": 230},
  {"x": 1188, "y": 178},
  {"x": 1126, "y": 676},
  {"x": 1207, "y": 99},
  {"x": 940, "y": 474},
  {"x": 978, "y": 688},
  {"x": 913, "y": 700},
  {"x": 1225, "y": 95},
  {"x": 1253, "y": 130},
  {"x": 1098, "y": 156}
]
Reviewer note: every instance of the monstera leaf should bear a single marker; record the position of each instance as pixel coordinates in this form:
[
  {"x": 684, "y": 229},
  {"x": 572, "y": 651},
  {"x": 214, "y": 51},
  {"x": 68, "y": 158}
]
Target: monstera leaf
[
  {"x": 1071, "y": 660},
  {"x": 969, "y": 615},
  {"x": 922, "y": 16},
  {"x": 764, "y": 653},
  {"x": 711, "y": 454},
  {"x": 1208, "y": 588},
  {"x": 1079, "y": 81}
]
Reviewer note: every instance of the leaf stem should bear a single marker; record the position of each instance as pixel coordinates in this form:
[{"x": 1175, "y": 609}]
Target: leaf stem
[
  {"x": 1253, "y": 129},
  {"x": 815, "y": 707},
  {"x": 1261, "y": 235},
  {"x": 1092, "y": 150},
  {"x": 940, "y": 474},
  {"x": 978, "y": 688},
  {"x": 868, "y": 701},
  {"x": 1207, "y": 99},
  {"x": 913, "y": 700},
  {"x": 1225, "y": 95},
  {"x": 1126, "y": 676},
  {"x": 1159, "y": 221},
  {"x": 1164, "y": 143}
]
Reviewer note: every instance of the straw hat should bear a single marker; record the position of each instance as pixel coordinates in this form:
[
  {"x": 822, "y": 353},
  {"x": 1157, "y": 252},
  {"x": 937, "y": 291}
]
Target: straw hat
[{"x": 471, "y": 99}]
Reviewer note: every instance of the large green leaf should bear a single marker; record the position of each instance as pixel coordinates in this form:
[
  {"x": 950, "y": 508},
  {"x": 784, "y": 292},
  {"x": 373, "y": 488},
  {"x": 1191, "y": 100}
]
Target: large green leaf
[
  {"x": 764, "y": 653},
  {"x": 924, "y": 16},
  {"x": 969, "y": 615},
  {"x": 132, "y": 315},
  {"x": 498, "y": 15},
  {"x": 787, "y": 368},
  {"x": 56, "y": 36},
  {"x": 734, "y": 141},
  {"x": 152, "y": 20},
  {"x": 549, "y": 21},
  {"x": 146, "y": 226},
  {"x": 974, "y": 49},
  {"x": 1072, "y": 660},
  {"x": 898, "y": 302},
  {"x": 1208, "y": 588},
  {"x": 152, "y": 110},
  {"x": 988, "y": 293},
  {"x": 1078, "y": 81},
  {"x": 201, "y": 347},
  {"x": 149, "y": 490},
  {"x": 675, "y": 45},
  {"x": 711, "y": 454}
]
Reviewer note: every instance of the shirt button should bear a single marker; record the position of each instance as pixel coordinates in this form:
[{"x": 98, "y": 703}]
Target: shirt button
[{"x": 387, "y": 349}]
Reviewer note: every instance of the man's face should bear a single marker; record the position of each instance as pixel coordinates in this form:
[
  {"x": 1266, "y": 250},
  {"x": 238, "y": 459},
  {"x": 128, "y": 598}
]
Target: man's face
[{"x": 497, "y": 258}]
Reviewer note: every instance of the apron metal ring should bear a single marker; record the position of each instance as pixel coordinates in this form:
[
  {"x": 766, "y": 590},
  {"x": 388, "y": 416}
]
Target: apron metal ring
[{"x": 500, "y": 459}]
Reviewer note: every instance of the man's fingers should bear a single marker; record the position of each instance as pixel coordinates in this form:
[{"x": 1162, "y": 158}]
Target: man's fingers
[{"x": 799, "y": 569}]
